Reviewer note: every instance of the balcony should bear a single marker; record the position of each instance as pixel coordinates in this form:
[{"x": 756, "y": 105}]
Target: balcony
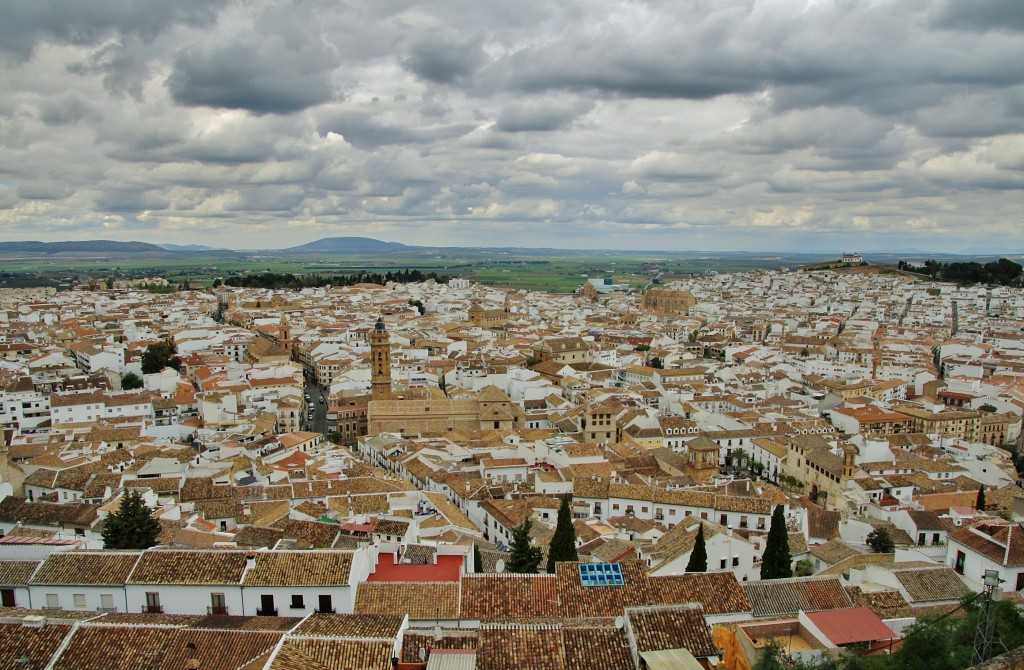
[
  {"x": 221, "y": 610},
  {"x": 106, "y": 609},
  {"x": 330, "y": 610},
  {"x": 53, "y": 609},
  {"x": 152, "y": 609},
  {"x": 266, "y": 612}
]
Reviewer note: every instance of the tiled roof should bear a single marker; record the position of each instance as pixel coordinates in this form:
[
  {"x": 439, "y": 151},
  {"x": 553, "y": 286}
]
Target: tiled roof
[
  {"x": 502, "y": 646},
  {"x": 822, "y": 523},
  {"x": 929, "y": 584},
  {"x": 100, "y": 647},
  {"x": 508, "y": 595},
  {"x": 358, "y": 626},
  {"x": 420, "y": 600},
  {"x": 888, "y": 604},
  {"x": 851, "y": 626},
  {"x": 305, "y": 654},
  {"x": 833, "y": 551},
  {"x": 254, "y": 536},
  {"x": 164, "y": 566},
  {"x": 317, "y": 534},
  {"x": 300, "y": 568},
  {"x": 412, "y": 642},
  {"x": 786, "y": 597},
  {"x": 589, "y": 647},
  {"x": 717, "y": 592},
  {"x": 672, "y": 627},
  {"x": 16, "y": 573},
  {"x": 72, "y": 568},
  {"x": 576, "y": 600},
  {"x": 38, "y": 644}
]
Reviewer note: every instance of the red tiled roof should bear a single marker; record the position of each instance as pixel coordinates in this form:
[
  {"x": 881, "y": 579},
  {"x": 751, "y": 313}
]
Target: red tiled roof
[
  {"x": 851, "y": 626},
  {"x": 447, "y": 569}
]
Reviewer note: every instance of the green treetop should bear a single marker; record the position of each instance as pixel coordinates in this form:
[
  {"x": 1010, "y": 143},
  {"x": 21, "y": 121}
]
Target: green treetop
[
  {"x": 563, "y": 543},
  {"x": 131, "y": 526},
  {"x": 777, "y": 561}
]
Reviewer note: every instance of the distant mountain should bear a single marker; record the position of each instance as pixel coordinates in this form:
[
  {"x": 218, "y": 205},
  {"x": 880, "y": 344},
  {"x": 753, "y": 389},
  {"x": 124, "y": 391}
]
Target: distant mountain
[
  {"x": 93, "y": 246},
  {"x": 352, "y": 245},
  {"x": 189, "y": 247}
]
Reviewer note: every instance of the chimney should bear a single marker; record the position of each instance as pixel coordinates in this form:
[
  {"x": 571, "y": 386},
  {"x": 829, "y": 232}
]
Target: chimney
[{"x": 250, "y": 560}]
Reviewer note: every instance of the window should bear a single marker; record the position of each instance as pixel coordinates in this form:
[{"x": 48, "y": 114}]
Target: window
[
  {"x": 79, "y": 599},
  {"x": 723, "y": 564},
  {"x": 52, "y": 601},
  {"x": 107, "y": 602},
  {"x": 735, "y": 561},
  {"x": 7, "y": 598},
  {"x": 218, "y": 604},
  {"x": 153, "y": 604}
]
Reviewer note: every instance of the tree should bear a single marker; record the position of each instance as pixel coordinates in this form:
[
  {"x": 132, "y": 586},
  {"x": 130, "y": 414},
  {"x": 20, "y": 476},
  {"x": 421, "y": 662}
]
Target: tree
[
  {"x": 777, "y": 562},
  {"x": 563, "y": 542},
  {"x": 130, "y": 381},
  {"x": 699, "y": 555},
  {"x": 988, "y": 408},
  {"x": 158, "y": 356},
  {"x": 131, "y": 526},
  {"x": 979, "y": 504},
  {"x": 880, "y": 541},
  {"x": 657, "y": 363},
  {"x": 478, "y": 560},
  {"x": 523, "y": 558}
]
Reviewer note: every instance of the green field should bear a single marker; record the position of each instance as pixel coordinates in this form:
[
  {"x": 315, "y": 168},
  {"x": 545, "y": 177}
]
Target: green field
[{"x": 540, "y": 270}]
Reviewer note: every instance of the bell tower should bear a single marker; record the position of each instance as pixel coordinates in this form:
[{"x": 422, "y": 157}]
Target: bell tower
[{"x": 380, "y": 362}]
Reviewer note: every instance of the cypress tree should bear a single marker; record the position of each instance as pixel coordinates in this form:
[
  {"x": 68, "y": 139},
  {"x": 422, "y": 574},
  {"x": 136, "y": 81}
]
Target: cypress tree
[
  {"x": 478, "y": 561},
  {"x": 699, "y": 554},
  {"x": 777, "y": 561},
  {"x": 979, "y": 504},
  {"x": 131, "y": 526},
  {"x": 563, "y": 542},
  {"x": 523, "y": 557}
]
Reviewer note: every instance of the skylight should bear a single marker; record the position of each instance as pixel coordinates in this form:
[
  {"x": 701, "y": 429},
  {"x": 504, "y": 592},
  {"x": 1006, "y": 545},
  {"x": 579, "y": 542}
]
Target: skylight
[{"x": 601, "y": 574}]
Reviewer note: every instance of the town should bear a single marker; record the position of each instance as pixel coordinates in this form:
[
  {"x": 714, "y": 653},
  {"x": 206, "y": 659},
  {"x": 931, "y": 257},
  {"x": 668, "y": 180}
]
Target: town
[{"x": 372, "y": 476}]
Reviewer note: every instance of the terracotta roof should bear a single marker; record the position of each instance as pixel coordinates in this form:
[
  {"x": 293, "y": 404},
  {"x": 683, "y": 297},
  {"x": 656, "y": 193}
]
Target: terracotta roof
[
  {"x": 576, "y": 600},
  {"x": 928, "y": 584},
  {"x": 305, "y": 654},
  {"x": 508, "y": 595},
  {"x": 672, "y": 627},
  {"x": 167, "y": 566},
  {"x": 359, "y": 626},
  {"x": 420, "y": 600},
  {"x": 851, "y": 626},
  {"x": 74, "y": 568},
  {"x": 503, "y": 646},
  {"x": 16, "y": 573},
  {"x": 300, "y": 568},
  {"x": 38, "y": 644},
  {"x": 786, "y": 597},
  {"x": 717, "y": 592}
]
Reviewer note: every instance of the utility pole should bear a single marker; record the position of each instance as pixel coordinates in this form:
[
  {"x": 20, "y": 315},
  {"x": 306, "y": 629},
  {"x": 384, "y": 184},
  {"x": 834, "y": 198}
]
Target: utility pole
[{"x": 986, "y": 618}]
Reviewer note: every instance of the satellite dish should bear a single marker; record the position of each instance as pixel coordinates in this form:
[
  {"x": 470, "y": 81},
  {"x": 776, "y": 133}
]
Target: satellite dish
[
  {"x": 500, "y": 565},
  {"x": 423, "y": 654},
  {"x": 619, "y": 622},
  {"x": 437, "y": 633}
]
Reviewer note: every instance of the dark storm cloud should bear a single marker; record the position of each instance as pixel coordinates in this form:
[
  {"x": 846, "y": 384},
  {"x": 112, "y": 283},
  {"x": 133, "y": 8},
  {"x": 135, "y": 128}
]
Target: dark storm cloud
[
  {"x": 980, "y": 15},
  {"x": 362, "y": 130},
  {"x": 261, "y": 74},
  {"x": 25, "y": 24},
  {"x": 443, "y": 57},
  {"x": 535, "y": 121},
  {"x": 540, "y": 115}
]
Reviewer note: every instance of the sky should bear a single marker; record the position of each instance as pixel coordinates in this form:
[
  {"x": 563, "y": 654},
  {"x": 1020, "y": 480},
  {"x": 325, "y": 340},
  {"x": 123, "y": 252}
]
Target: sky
[{"x": 731, "y": 125}]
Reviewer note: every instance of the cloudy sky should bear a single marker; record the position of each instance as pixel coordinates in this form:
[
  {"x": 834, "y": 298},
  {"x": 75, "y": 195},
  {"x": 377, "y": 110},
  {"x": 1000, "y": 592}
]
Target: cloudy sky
[{"x": 667, "y": 124}]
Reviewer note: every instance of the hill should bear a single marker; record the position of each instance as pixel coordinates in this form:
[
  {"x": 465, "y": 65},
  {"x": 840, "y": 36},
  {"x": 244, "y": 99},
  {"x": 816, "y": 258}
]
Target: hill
[
  {"x": 350, "y": 245},
  {"x": 90, "y": 246}
]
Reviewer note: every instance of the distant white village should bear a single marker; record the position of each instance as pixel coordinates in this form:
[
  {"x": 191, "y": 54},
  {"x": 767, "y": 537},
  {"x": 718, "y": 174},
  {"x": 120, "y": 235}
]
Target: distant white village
[{"x": 347, "y": 465}]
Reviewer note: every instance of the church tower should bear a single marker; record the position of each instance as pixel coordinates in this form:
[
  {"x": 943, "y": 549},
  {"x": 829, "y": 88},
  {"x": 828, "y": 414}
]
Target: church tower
[
  {"x": 380, "y": 361},
  {"x": 284, "y": 334}
]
